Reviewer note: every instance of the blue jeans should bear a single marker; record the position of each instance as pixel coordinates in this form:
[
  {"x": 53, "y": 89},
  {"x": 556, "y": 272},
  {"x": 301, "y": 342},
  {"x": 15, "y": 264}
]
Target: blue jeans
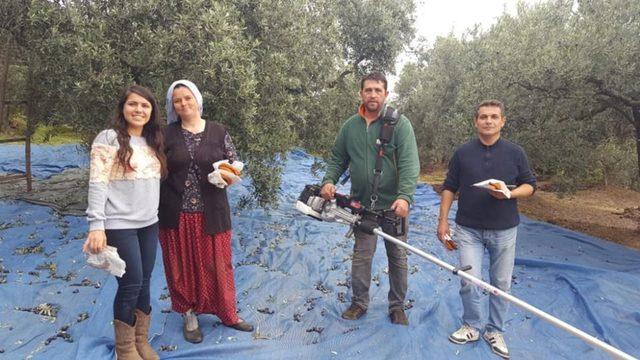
[
  {"x": 137, "y": 247},
  {"x": 501, "y": 245}
]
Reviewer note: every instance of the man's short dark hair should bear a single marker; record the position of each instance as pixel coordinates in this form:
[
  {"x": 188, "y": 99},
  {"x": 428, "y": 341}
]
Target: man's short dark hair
[
  {"x": 375, "y": 76},
  {"x": 496, "y": 103}
]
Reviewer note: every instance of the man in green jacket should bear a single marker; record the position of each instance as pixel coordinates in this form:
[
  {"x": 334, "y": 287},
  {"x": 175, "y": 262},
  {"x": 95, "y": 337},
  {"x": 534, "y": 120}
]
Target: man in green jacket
[{"x": 355, "y": 149}]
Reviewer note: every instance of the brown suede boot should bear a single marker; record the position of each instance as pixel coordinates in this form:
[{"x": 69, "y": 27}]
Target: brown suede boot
[
  {"x": 125, "y": 341},
  {"x": 142, "y": 336},
  {"x": 354, "y": 312},
  {"x": 398, "y": 317}
]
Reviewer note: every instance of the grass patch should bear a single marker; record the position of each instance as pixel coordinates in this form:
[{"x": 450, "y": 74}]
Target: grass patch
[
  {"x": 55, "y": 135},
  {"x": 49, "y": 134}
]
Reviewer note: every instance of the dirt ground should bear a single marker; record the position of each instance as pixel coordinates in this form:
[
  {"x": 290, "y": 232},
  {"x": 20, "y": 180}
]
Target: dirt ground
[
  {"x": 606, "y": 212},
  {"x": 65, "y": 192}
]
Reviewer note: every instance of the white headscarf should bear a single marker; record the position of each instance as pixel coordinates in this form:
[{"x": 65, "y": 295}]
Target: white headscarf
[{"x": 171, "y": 111}]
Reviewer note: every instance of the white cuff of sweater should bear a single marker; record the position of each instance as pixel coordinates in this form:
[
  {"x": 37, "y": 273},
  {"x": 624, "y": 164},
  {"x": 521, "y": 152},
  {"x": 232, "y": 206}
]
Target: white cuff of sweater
[{"x": 96, "y": 225}]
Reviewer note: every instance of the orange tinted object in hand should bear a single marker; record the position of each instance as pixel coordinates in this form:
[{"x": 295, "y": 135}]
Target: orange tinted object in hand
[
  {"x": 229, "y": 168},
  {"x": 450, "y": 244}
]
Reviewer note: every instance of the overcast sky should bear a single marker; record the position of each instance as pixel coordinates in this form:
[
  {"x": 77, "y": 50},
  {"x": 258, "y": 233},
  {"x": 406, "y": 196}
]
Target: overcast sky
[{"x": 441, "y": 17}]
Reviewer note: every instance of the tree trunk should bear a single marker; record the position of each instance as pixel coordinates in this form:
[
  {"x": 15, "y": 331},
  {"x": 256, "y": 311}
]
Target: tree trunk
[
  {"x": 636, "y": 123},
  {"x": 4, "y": 72}
]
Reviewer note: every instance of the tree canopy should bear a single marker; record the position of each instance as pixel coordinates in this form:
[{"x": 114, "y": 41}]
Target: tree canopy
[
  {"x": 277, "y": 73},
  {"x": 282, "y": 74},
  {"x": 567, "y": 73}
]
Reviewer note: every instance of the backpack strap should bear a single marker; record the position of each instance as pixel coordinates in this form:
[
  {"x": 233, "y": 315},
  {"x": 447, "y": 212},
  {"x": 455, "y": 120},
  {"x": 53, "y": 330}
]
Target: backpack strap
[{"x": 389, "y": 121}]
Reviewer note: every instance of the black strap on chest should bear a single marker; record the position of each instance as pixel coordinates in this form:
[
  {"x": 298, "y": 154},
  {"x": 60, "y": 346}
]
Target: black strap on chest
[{"x": 389, "y": 121}]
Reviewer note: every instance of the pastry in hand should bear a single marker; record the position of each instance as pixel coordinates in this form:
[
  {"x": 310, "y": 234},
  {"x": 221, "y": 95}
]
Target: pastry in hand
[
  {"x": 228, "y": 176},
  {"x": 229, "y": 168}
]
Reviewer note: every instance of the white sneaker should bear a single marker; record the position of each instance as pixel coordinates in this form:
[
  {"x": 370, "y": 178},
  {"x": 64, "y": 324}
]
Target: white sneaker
[
  {"x": 497, "y": 344},
  {"x": 464, "y": 335}
]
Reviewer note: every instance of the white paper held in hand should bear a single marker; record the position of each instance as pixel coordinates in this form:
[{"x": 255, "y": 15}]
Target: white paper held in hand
[{"x": 495, "y": 185}]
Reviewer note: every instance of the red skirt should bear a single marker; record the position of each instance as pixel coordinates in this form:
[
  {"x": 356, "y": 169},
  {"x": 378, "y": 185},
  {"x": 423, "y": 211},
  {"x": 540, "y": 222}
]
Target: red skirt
[{"x": 198, "y": 269}]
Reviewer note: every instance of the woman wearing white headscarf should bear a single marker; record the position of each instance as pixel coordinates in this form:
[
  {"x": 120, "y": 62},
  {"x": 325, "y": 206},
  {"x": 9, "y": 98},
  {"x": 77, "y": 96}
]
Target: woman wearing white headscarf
[{"x": 195, "y": 219}]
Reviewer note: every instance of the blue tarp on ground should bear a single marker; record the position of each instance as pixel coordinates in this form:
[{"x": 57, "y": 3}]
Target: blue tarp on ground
[
  {"x": 291, "y": 276},
  {"x": 46, "y": 160}
]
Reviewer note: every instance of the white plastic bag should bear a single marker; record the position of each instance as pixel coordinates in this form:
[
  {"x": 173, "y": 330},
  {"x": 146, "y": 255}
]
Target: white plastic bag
[
  {"x": 108, "y": 260},
  {"x": 216, "y": 179}
]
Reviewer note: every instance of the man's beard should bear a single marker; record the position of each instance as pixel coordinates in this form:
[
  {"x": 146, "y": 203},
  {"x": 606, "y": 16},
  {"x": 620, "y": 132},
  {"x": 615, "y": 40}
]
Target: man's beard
[{"x": 372, "y": 106}]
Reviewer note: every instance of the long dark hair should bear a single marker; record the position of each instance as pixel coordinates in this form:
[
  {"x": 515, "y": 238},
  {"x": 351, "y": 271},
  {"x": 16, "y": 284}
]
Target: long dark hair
[{"x": 152, "y": 131}]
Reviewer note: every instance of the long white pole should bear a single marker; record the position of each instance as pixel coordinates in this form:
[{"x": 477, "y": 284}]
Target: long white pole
[{"x": 616, "y": 353}]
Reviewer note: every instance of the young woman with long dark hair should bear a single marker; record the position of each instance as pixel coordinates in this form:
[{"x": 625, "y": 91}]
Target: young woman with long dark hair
[{"x": 127, "y": 163}]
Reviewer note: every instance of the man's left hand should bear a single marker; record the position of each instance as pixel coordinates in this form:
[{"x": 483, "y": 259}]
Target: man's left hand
[
  {"x": 499, "y": 195},
  {"x": 400, "y": 207}
]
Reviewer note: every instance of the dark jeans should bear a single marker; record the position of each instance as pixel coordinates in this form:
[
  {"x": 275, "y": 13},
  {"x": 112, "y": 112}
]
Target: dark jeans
[
  {"x": 137, "y": 247},
  {"x": 363, "y": 250}
]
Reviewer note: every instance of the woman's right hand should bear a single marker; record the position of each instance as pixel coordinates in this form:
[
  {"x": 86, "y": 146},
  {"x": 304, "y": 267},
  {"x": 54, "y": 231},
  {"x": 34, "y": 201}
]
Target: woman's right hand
[{"x": 96, "y": 242}]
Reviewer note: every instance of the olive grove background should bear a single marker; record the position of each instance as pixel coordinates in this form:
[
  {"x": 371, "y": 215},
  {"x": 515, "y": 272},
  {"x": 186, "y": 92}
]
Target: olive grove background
[{"x": 283, "y": 74}]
